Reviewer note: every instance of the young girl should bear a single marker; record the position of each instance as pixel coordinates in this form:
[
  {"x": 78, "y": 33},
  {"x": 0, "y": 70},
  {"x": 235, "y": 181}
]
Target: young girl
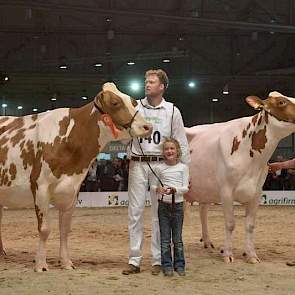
[{"x": 172, "y": 184}]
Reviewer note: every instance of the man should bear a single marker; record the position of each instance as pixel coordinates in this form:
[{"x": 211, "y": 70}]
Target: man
[{"x": 167, "y": 122}]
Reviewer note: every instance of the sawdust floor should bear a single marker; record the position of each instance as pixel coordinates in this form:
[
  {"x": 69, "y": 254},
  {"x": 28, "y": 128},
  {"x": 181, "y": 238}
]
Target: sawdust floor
[{"x": 99, "y": 248}]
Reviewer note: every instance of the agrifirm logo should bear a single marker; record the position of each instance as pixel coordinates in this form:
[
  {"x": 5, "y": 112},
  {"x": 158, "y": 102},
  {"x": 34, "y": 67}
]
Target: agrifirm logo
[{"x": 277, "y": 199}]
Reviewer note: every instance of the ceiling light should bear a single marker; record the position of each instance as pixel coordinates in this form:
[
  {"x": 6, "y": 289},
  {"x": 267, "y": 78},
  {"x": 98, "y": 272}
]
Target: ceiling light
[
  {"x": 131, "y": 63},
  {"x": 135, "y": 86},
  {"x": 84, "y": 97},
  {"x": 53, "y": 99},
  {"x": 63, "y": 67},
  {"x": 98, "y": 65},
  {"x": 215, "y": 99},
  {"x": 191, "y": 84},
  {"x": 225, "y": 89},
  {"x": 166, "y": 60},
  {"x": 4, "y": 105},
  {"x": 35, "y": 110},
  {"x": 6, "y": 78},
  {"x": 19, "y": 107}
]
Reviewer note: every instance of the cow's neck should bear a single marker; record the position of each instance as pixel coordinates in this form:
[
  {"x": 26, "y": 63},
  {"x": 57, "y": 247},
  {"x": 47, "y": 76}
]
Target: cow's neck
[{"x": 263, "y": 133}]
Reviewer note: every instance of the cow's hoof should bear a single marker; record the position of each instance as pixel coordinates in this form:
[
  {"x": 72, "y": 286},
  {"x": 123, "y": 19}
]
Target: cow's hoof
[
  {"x": 290, "y": 263},
  {"x": 253, "y": 260},
  {"x": 68, "y": 266},
  {"x": 228, "y": 259}
]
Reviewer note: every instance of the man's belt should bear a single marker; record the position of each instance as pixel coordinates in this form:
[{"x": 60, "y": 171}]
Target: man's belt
[{"x": 147, "y": 158}]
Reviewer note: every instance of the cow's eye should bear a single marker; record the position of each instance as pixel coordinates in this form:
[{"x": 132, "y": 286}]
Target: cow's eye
[{"x": 282, "y": 103}]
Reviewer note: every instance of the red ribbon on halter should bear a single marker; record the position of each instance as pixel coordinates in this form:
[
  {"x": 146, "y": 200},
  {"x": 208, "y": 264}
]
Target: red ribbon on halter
[{"x": 107, "y": 120}]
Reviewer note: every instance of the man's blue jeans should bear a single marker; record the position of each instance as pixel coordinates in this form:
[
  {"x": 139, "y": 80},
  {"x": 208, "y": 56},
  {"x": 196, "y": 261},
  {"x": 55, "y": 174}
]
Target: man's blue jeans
[{"x": 171, "y": 221}]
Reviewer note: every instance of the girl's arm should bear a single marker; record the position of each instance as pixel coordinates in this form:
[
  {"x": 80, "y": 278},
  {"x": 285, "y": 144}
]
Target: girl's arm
[{"x": 185, "y": 182}]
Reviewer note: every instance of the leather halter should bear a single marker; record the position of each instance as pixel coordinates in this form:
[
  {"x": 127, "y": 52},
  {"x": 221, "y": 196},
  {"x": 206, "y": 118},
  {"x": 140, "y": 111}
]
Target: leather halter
[{"x": 125, "y": 126}]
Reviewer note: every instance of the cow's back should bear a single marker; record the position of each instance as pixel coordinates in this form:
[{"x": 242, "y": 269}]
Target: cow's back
[
  {"x": 21, "y": 155},
  {"x": 215, "y": 164}
]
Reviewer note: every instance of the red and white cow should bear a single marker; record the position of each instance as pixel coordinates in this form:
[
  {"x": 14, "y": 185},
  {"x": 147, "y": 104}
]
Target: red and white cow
[
  {"x": 229, "y": 163},
  {"x": 45, "y": 157}
]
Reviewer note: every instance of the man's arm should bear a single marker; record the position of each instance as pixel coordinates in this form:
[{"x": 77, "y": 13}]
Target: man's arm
[{"x": 178, "y": 133}]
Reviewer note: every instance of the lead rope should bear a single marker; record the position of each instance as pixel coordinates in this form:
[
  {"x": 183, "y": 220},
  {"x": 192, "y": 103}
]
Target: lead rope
[{"x": 158, "y": 178}]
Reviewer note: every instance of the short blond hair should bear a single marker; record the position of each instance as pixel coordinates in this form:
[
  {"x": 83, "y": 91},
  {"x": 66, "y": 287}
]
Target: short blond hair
[
  {"x": 175, "y": 142},
  {"x": 160, "y": 74}
]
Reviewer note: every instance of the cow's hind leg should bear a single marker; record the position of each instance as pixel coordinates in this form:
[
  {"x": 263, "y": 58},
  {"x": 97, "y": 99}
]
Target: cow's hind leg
[
  {"x": 65, "y": 219},
  {"x": 250, "y": 252},
  {"x": 42, "y": 210},
  {"x": 2, "y": 251},
  {"x": 228, "y": 210},
  {"x": 204, "y": 221}
]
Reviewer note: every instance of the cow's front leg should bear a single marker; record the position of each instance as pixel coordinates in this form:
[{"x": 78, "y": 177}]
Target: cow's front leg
[
  {"x": 2, "y": 251},
  {"x": 250, "y": 252},
  {"x": 228, "y": 211},
  {"x": 42, "y": 210},
  {"x": 204, "y": 221},
  {"x": 65, "y": 219}
]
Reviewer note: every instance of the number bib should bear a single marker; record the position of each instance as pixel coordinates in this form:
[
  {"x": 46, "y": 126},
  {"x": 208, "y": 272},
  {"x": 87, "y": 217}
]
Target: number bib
[{"x": 161, "y": 119}]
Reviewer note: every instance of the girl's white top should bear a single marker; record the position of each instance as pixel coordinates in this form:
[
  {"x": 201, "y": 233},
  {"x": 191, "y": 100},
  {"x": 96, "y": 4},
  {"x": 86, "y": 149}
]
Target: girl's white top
[{"x": 176, "y": 176}]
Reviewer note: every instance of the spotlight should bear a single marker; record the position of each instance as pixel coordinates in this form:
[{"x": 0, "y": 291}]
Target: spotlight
[
  {"x": 63, "y": 67},
  {"x": 215, "y": 99},
  {"x": 135, "y": 86},
  {"x": 4, "y": 105},
  {"x": 131, "y": 63},
  {"x": 166, "y": 60},
  {"x": 191, "y": 84},
  {"x": 84, "y": 97},
  {"x": 19, "y": 107},
  {"x": 35, "y": 110},
  {"x": 98, "y": 65}
]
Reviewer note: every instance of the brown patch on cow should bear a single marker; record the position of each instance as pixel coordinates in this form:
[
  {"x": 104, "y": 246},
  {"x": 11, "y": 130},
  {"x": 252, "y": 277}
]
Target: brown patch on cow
[
  {"x": 259, "y": 121},
  {"x": 34, "y": 117},
  {"x": 15, "y": 124},
  {"x": 39, "y": 215},
  {"x": 254, "y": 119},
  {"x": 22, "y": 145},
  {"x": 33, "y": 159},
  {"x": 28, "y": 154},
  {"x": 18, "y": 137},
  {"x": 251, "y": 154},
  {"x": 3, "y": 119},
  {"x": 259, "y": 140},
  {"x": 235, "y": 145},
  {"x": 36, "y": 171},
  {"x": 266, "y": 117},
  {"x": 244, "y": 133},
  {"x": 73, "y": 154},
  {"x": 32, "y": 126},
  {"x": 3, "y": 154},
  {"x": 3, "y": 140},
  {"x": 12, "y": 171},
  {"x": 63, "y": 125},
  {"x": 250, "y": 133},
  {"x": 248, "y": 126},
  {"x": 3, "y": 176}
]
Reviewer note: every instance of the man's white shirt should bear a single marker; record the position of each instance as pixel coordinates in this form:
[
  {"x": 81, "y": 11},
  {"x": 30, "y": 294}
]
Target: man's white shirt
[{"x": 167, "y": 122}]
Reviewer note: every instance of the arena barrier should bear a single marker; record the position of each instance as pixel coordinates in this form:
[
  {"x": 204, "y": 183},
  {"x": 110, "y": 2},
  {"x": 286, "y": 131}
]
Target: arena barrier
[{"x": 114, "y": 199}]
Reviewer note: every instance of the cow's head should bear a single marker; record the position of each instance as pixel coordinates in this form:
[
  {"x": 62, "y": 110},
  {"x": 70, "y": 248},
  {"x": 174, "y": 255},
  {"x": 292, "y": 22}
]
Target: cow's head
[
  {"x": 121, "y": 109},
  {"x": 277, "y": 105}
]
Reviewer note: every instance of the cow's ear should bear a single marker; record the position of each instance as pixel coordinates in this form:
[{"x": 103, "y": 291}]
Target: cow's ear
[
  {"x": 99, "y": 99},
  {"x": 255, "y": 102}
]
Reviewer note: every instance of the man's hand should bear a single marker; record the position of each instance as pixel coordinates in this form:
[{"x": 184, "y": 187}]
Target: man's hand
[{"x": 273, "y": 167}]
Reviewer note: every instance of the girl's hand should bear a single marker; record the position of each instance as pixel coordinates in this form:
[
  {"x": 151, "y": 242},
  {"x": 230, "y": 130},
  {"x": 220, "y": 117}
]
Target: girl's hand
[{"x": 161, "y": 190}]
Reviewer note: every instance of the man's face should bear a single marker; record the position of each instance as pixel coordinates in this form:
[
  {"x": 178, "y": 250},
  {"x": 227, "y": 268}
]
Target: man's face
[{"x": 153, "y": 86}]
